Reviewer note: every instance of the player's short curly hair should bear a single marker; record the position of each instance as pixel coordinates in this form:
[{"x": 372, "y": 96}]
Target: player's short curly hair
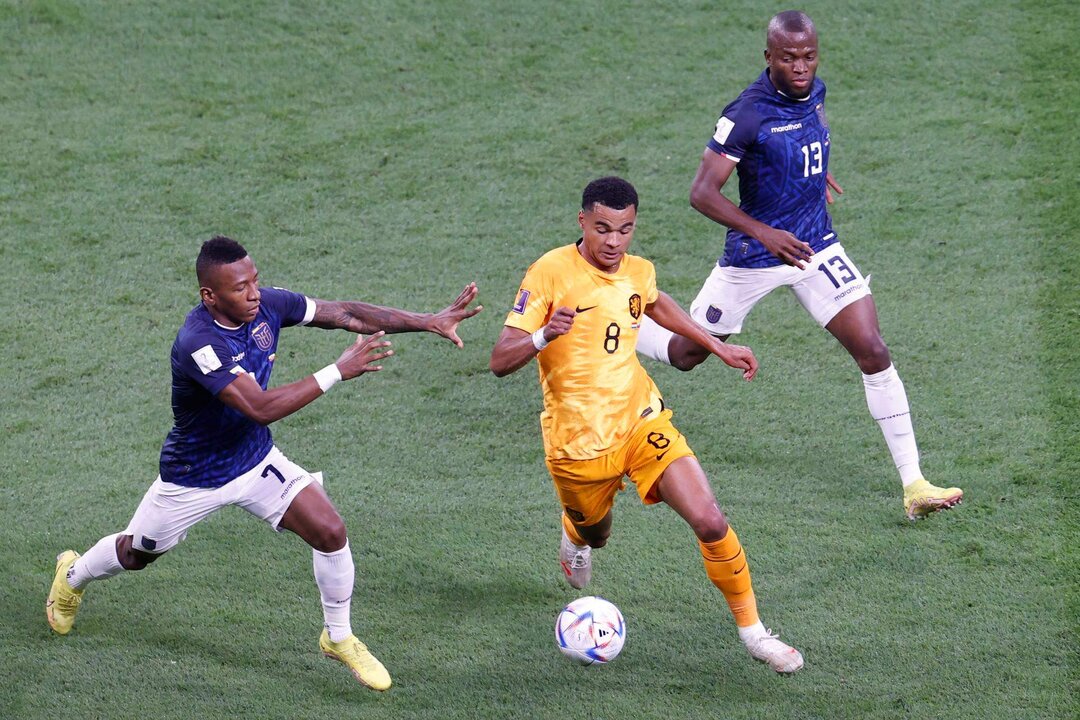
[
  {"x": 218, "y": 250},
  {"x": 611, "y": 191}
]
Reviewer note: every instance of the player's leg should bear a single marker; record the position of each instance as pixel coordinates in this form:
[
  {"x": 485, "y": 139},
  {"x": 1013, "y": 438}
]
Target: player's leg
[
  {"x": 726, "y": 297},
  {"x": 838, "y": 296},
  {"x": 576, "y": 545},
  {"x": 664, "y": 469},
  {"x": 162, "y": 520},
  {"x": 304, "y": 508},
  {"x": 586, "y": 490},
  {"x": 684, "y": 487},
  {"x": 856, "y": 328},
  {"x": 661, "y": 344}
]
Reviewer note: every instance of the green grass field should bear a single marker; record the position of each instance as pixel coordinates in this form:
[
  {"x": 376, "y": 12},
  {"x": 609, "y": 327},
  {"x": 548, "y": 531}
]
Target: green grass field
[{"x": 391, "y": 152}]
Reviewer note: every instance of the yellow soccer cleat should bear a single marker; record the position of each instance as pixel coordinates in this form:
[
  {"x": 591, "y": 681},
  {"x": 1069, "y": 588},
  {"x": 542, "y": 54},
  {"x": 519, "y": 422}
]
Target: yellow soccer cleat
[
  {"x": 921, "y": 498},
  {"x": 63, "y": 600},
  {"x": 364, "y": 666}
]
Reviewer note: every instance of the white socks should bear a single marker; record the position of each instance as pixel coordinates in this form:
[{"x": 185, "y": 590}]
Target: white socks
[
  {"x": 752, "y": 632},
  {"x": 652, "y": 340},
  {"x": 97, "y": 563},
  {"x": 888, "y": 405},
  {"x": 334, "y": 574}
]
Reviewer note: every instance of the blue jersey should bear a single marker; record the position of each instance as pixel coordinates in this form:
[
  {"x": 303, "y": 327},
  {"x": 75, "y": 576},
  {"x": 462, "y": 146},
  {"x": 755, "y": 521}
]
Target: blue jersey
[
  {"x": 781, "y": 146},
  {"x": 210, "y": 443}
]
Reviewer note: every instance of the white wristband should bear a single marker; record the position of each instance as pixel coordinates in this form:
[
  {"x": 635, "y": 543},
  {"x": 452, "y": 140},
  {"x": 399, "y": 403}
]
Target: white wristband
[
  {"x": 328, "y": 377},
  {"x": 539, "y": 341}
]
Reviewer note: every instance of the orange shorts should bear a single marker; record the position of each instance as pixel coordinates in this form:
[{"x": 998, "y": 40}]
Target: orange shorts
[{"x": 587, "y": 488}]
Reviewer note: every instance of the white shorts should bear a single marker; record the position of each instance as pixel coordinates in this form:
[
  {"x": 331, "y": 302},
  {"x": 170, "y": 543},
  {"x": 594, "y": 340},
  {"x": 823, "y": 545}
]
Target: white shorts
[
  {"x": 828, "y": 284},
  {"x": 167, "y": 510}
]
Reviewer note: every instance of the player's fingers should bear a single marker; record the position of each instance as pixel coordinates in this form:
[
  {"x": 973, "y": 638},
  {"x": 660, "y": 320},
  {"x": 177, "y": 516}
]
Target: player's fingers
[
  {"x": 377, "y": 357},
  {"x": 466, "y": 296},
  {"x": 360, "y": 339}
]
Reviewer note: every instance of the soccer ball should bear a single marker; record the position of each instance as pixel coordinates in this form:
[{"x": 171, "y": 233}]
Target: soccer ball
[{"x": 590, "y": 630}]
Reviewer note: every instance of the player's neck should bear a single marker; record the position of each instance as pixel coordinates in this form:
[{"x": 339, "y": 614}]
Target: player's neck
[
  {"x": 220, "y": 320},
  {"x": 606, "y": 270},
  {"x": 789, "y": 97}
]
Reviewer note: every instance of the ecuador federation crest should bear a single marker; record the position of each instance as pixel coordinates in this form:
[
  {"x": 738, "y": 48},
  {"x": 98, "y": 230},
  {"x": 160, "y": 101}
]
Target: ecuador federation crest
[
  {"x": 264, "y": 336},
  {"x": 635, "y": 306}
]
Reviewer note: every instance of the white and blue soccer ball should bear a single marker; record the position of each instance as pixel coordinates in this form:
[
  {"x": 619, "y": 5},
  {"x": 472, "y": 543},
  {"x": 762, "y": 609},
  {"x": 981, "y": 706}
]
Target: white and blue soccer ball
[{"x": 590, "y": 630}]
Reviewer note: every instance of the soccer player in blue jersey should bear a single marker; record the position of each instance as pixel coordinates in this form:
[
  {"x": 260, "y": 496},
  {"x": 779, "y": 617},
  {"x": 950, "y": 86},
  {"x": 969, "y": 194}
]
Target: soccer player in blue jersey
[
  {"x": 776, "y": 135},
  {"x": 220, "y": 451}
]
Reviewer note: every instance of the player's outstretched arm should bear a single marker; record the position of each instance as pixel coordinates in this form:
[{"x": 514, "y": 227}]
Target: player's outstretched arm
[
  {"x": 706, "y": 197},
  {"x": 361, "y": 317},
  {"x": 515, "y": 347},
  {"x": 266, "y": 406},
  {"x": 667, "y": 313}
]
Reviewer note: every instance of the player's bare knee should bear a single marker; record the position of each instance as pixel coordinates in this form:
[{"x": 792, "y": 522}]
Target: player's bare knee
[
  {"x": 330, "y": 536},
  {"x": 687, "y": 362},
  {"x": 685, "y": 354},
  {"x": 596, "y": 538},
  {"x": 132, "y": 559},
  {"x": 710, "y": 528},
  {"x": 874, "y": 358}
]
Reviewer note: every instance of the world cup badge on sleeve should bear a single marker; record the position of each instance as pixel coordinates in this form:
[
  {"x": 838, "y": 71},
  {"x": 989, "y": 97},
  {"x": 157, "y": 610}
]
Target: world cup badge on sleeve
[{"x": 522, "y": 301}]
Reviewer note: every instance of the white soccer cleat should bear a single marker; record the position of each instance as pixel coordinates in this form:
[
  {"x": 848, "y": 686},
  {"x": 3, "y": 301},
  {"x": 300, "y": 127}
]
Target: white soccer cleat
[
  {"x": 780, "y": 656},
  {"x": 576, "y": 562}
]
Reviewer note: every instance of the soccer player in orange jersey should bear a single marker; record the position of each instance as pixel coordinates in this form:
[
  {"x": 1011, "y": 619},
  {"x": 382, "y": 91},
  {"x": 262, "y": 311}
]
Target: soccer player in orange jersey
[{"x": 578, "y": 311}]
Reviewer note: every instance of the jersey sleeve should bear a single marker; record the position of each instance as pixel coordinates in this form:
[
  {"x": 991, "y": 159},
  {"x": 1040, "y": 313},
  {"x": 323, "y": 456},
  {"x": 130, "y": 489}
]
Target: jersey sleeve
[
  {"x": 533, "y": 305},
  {"x": 736, "y": 130},
  {"x": 651, "y": 291},
  {"x": 206, "y": 359},
  {"x": 292, "y": 308}
]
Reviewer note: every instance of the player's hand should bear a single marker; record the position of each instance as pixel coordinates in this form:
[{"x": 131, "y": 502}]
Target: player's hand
[
  {"x": 560, "y": 323},
  {"x": 830, "y": 182},
  {"x": 739, "y": 357},
  {"x": 364, "y": 355},
  {"x": 446, "y": 321},
  {"x": 786, "y": 246}
]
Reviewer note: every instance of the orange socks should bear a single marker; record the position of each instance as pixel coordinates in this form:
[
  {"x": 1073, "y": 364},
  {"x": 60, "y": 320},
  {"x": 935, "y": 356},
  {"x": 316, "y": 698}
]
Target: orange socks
[{"x": 725, "y": 564}]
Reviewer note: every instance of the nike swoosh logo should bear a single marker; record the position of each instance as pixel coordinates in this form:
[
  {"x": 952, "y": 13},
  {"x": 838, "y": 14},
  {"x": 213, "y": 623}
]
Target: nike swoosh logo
[
  {"x": 739, "y": 570},
  {"x": 661, "y": 455},
  {"x": 579, "y": 309}
]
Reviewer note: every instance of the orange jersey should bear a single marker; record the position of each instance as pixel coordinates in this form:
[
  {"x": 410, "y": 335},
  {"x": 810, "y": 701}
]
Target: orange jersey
[{"x": 595, "y": 390}]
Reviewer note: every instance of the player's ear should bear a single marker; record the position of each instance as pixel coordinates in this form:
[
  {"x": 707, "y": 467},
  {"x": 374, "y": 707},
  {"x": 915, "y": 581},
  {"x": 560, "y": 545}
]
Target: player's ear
[
  {"x": 207, "y": 295},
  {"x": 581, "y": 219}
]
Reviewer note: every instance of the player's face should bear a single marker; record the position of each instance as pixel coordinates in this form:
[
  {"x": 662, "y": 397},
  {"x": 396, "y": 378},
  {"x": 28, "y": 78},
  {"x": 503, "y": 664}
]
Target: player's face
[
  {"x": 232, "y": 292},
  {"x": 792, "y": 59},
  {"x": 606, "y": 235}
]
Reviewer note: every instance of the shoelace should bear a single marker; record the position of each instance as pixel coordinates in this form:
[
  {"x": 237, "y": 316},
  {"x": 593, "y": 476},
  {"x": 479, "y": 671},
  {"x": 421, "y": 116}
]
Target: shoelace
[
  {"x": 580, "y": 559},
  {"x": 358, "y": 652},
  {"x": 68, "y": 602},
  {"x": 769, "y": 642}
]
